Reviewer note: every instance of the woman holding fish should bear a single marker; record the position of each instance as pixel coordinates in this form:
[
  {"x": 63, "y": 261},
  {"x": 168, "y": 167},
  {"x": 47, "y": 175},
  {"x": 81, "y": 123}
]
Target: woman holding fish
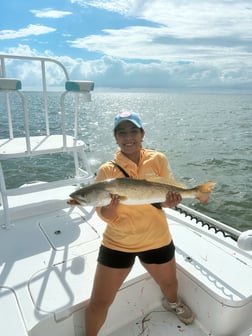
[{"x": 134, "y": 230}]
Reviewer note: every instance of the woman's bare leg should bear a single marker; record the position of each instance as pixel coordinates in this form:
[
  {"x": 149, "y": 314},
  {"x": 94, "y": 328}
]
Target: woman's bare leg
[
  {"x": 165, "y": 276},
  {"x": 106, "y": 284}
]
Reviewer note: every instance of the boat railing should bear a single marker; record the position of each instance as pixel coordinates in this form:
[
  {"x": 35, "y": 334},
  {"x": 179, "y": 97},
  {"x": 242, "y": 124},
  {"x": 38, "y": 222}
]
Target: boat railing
[
  {"x": 209, "y": 223},
  {"x": 41, "y": 62},
  {"x": 22, "y": 143}
]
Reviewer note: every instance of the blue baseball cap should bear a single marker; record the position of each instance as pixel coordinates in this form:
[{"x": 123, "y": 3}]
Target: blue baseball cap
[{"x": 128, "y": 116}]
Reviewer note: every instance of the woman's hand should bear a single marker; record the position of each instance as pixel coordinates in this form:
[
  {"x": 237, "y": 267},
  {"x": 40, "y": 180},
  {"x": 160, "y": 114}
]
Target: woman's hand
[
  {"x": 172, "y": 199},
  {"x": 109, "y": 211}
]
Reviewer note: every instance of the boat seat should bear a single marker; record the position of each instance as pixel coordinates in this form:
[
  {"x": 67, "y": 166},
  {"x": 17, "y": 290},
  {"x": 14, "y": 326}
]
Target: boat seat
[
  {"x": 23, "y": 141},
  {"x": 49, "y": 143},
  {"x": 17, "y": 147},
  {"x": 10, "y": 84}
]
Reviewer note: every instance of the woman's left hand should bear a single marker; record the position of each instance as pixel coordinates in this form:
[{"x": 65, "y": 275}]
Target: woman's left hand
[
  {"x": 110, "y": 211},
  {"x": 172, "y": 199}
]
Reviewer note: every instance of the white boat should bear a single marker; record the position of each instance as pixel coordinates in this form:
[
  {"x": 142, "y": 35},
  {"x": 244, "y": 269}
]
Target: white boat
[{"x": 48, "y": 248}]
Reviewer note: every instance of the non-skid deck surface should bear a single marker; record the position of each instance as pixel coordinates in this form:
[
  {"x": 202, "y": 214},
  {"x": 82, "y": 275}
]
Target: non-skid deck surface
[{"x": 159, "y": 323}]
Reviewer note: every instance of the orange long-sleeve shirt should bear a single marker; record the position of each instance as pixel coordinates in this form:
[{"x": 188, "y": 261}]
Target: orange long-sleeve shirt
[{"x": 136, "y": 227}]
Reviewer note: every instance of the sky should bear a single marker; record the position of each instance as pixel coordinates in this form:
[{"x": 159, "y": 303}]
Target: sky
[{"x": 159, "y": 44}]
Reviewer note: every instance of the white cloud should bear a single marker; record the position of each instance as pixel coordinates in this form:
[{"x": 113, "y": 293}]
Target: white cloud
[
  {"x": 184, "y": 18},
  {"x": 50, "y": 13},
  {"x": 169, "y": 44},
  {"x": 30, "y": 72},
  {"x": 25, "y": 32},
  {"x": 22, "y": 50},
  {"x": 121, "y": 7},
  {"x": 194, "y": 41},
  {"x": 186, "y": 30},
  {"x": 147, "y": 43},
  {"x": 113, "y": 72}
]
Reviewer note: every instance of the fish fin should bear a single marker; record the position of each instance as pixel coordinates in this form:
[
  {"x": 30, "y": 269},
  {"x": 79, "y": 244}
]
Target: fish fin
[
  {"x": 165, "y": 180},
  {"x": 203, "y": 191}
]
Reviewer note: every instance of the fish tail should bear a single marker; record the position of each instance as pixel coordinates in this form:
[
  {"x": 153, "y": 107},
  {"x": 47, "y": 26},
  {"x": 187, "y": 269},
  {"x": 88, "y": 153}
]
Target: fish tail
[{"x": 203, "y": 191}]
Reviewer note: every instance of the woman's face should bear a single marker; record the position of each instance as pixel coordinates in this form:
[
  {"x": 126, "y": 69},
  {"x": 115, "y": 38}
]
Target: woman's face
[{"x": 129, "y": 137}]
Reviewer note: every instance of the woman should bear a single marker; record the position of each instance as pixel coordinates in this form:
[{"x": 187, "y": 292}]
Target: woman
[{"x": 139, "y": 230}]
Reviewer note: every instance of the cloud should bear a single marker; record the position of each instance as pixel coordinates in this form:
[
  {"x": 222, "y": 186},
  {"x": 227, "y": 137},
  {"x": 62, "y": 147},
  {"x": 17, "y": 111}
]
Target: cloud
[
  {"x": 148, "y": 43},
  {"x": 122, "y": 7},
  {"x": 50, "y": 13},
  {"x": 22, "y": 50},
  {"x": 190, "y": 41},
  {"x": 184, "y": 18},
  {"x": 116, "y": 73},
  {"x": 187, "y": 30},
  {"x": 25, "y": 32},
  {"x": 30, "y": 72},
  {"x": 161, "y": 44},
  {"x": 113, "y": 72}
]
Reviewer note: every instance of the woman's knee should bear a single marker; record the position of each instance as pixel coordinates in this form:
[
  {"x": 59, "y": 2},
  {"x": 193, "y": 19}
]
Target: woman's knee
[{"x": 100, "y": 302}]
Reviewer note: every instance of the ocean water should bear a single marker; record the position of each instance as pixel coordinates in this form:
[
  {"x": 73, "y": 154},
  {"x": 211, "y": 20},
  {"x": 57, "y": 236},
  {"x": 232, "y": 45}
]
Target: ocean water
[{"x": 205, "y": 136}]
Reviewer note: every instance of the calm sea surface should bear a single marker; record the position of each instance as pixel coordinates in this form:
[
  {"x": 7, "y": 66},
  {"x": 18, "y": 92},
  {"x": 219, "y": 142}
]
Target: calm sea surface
[{"x": 205, "y": 136}]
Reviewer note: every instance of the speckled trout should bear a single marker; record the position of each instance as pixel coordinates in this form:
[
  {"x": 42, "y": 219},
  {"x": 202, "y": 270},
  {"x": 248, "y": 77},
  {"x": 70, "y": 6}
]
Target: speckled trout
[{"x": 134, "y": 191}]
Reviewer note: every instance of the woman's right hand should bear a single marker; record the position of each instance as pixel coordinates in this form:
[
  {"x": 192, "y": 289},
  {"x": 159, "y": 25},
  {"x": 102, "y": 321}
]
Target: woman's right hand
[{"x": 109, "y": 211}]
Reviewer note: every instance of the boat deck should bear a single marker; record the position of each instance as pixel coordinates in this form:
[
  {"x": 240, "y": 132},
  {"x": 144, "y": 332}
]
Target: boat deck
[
  {"x": 48, "y": 249},
  {"x": 159, "y": 323},
  {"x": 48, "y": 260}
]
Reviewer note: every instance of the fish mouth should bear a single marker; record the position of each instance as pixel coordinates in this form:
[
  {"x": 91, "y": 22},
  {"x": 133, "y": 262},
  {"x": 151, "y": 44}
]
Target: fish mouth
[{"x": 73, "y": 201}]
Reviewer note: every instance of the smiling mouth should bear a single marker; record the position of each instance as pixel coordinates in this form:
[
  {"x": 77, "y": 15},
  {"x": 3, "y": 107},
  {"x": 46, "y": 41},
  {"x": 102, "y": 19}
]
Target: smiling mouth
[{"x": 129, "y": 144}]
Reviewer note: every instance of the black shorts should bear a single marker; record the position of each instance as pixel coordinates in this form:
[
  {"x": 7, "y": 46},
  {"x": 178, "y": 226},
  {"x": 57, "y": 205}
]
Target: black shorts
[{"x": 119, "y": 259}]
